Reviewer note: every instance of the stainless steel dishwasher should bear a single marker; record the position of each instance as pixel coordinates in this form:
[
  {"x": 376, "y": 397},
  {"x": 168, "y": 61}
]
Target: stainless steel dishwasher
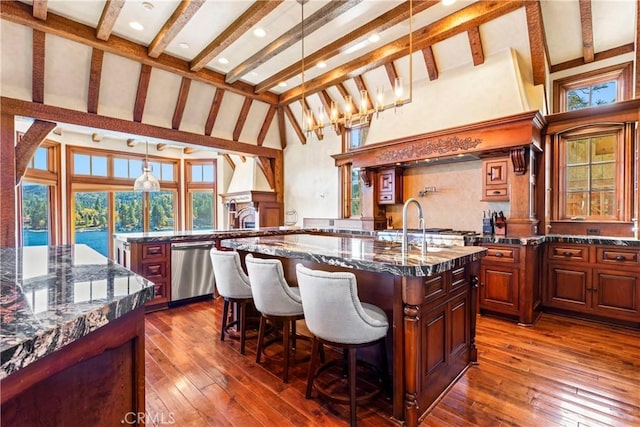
[{"x": 191, "y": 271}]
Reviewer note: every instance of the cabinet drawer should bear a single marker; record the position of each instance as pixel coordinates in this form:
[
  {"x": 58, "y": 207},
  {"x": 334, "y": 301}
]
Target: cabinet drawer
[
  {"x": 154, "y": 251},
  {"x": 615, "y": 256},
  {"x": 502, "y": 254},
  {"x": 154, "y": 269},
  {"x": 491, "y": 193},
  {"x": 388, "y": 197},
  {"x": 569, "y": 253}
]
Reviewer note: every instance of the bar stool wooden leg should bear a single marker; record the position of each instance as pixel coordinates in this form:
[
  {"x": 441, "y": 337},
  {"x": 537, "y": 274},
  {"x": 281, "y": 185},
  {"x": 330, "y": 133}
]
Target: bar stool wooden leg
[
  {"x": 312, "y": 366},
  {"x": 285, "y": 348},
  {"x": 352, "y": 385},
  {"x": 225, "y": 316},
  {"x": 263, "y": 325},
  {"x": 242, "y": 309}
]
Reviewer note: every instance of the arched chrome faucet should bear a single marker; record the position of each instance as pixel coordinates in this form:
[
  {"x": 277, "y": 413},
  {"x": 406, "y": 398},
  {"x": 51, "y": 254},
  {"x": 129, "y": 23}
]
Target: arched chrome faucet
[{"x": 405, "y": 238}]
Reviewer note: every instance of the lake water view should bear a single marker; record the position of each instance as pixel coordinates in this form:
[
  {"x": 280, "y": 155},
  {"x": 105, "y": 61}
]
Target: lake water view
[{"x": 96, "y": 239}]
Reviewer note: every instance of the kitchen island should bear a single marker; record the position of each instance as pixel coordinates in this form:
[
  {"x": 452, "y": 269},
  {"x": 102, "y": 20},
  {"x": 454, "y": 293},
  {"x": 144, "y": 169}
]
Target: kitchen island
[
  {"x": 72, "y": 343},
  {"x": 430, "y": 301}
]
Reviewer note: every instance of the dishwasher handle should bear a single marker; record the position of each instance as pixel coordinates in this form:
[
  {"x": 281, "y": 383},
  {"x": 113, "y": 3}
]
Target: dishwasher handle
[{"x": 188, "y": 246}]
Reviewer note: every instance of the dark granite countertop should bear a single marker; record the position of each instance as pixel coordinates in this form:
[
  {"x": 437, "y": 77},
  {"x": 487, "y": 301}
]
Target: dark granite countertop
[
  {"x": 557, "y": 238},
  {"x": 51, "y": 296},
  {"x": 200, "y": 235},
  {"x": 360, "y": 252}
]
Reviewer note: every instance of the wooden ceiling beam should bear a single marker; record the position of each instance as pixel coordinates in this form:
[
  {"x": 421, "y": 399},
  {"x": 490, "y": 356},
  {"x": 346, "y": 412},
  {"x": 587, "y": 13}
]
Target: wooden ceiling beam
[
  {"x": 181, "y": 103},
  {"x": 314, "y": 22},
  {"x": 537, "y": 41},
  {"x": 265, "y": 166},
  {"x": 37, "y": 75},
  {"x": 295, "y": 125},
  {"x": 430, "y": 62},
  {"x": 282, "y": 130},
  {"x": 599, "y": 56},
  {"x": 257, "y": 11},
  {"x": 21, "y": 13},
  {"x": 95, "y": 75},
  {"x": 230, "y": 161},
  {"x": 266, "y": 125},
  {"x": 458, "y": 22},
  {"x": 40, "y": 9},
  {"x": 392, "y": 74},
  {"x": 475, "y": 42},
  {"x": 141, "y": 94},
  {"x": 242, "y": 118},
  {"x": 383, "y": 22},
  {"x": 586, "y": 23},
  {"x": 176, "y": 22},
  {"x": 108, "y": 19},
  {"x": 30, "y": 141},
  {"x": 213, "y": 111}
]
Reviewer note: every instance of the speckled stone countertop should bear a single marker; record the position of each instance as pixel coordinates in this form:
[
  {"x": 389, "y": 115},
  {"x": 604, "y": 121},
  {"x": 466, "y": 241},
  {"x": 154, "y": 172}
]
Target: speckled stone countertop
[
  {"x": 554, "y": 238},
  {"x": 51, "y": 296},
  {"x": 200, "y": 235},
  {"x": 361, "y": 252}
]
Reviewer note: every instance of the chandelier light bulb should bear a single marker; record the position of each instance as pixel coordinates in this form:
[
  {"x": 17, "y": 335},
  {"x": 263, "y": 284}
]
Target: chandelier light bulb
[
  {"x": 363, "y": 102},
  {"x": 398, "y": 89}
]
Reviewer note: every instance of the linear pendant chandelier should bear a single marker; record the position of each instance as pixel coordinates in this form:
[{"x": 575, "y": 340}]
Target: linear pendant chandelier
[{"x": 350, "y": 118}]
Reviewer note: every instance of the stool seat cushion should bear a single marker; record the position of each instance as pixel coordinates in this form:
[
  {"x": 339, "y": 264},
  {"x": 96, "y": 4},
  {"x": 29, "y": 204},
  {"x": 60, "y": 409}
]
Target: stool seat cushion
[
  {"x": 272, "y": 294},
  {"x": 333, "y": 311}
]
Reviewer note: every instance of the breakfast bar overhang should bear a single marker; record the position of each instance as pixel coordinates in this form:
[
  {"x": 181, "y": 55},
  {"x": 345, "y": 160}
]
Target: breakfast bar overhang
[{"x": 429, "y": 298}]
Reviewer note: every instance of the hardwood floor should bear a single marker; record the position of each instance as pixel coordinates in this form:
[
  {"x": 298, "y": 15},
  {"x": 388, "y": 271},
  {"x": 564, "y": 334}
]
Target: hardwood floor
[{"x": 560, "y": 372}]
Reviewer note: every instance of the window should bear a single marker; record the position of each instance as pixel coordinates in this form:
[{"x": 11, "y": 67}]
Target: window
[
  {"x": 599, "y": 87},
  {"x": 35, "y": 214},
  {"x": 355, "y": 137},
  {"x": 591, "y": 174},
  {"x": 351, "y": 191},
  {"x": 356, "y": 207},
  {"x": 201, "y": 193}
]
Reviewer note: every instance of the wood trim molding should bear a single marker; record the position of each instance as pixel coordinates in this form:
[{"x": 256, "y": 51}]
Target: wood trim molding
[
  {"x": 31, "y": 140},
  {"x": 242, "y": 118},
  {"x": 458, "y": 22},
  {"x": 176, "y": 22},
  {"x": 141, "y": 94},
  {"x": 95, "y": 75},
  {"x": 586, "y": 23},
  {"x": 8, "y": 222},
  {"x": 37, "y": 77},
  {"x": 108, "y": 19},
  {"x": 266, "y": 125},
  {"x": 248, "y": 19},
  {"x": 213, "y": 111},
  {"x": 181, "y": 103},
  {"x": 637, "y": 76},
  {"x": 312, "y": 23},
  {"x": 48, "y": 112}
]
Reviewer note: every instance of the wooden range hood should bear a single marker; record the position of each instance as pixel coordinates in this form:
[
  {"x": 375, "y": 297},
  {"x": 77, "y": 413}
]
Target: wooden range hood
[{"x": 518, "y": 136}]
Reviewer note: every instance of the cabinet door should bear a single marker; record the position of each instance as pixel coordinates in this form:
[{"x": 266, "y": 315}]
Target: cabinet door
[
  {"x": 616, "y": 293},
  {"x": 499, "y": 289},
  {"x": 389, "y": 186},
  {"x": 569, "y": 287},
  {"x": 495, "y": 172}
]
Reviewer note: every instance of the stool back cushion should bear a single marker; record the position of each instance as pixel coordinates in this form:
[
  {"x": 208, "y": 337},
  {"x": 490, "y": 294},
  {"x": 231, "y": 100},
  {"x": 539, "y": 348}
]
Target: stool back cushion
[
  {"x": 271, "y": 292},
  {"x": 333, "y": 311},
  {"x": 231, "y": 280}
]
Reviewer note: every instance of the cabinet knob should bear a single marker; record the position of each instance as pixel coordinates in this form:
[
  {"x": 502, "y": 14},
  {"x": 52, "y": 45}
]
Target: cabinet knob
[
  {"x": 620, "y": 258},
  {"x": 568, "y": 254},
  {"x": 499, "y": 255},
  {"x": 496, "y": 192}
]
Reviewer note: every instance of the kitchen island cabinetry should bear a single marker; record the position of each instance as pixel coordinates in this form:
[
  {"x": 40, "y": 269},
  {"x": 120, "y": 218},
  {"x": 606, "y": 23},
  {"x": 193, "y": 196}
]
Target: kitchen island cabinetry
[
  {"x": 596, "y": 280},
  {"x": 430, "y": 301}
]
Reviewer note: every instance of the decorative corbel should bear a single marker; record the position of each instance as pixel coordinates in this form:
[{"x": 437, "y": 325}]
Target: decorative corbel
[
  {"x": 365, "y": 176},
  {"x": 518, "y": 159},
  {"x": 29, "y": 143}
]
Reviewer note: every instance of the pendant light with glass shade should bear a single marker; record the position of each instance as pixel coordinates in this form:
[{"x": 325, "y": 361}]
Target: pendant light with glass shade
[{"x": 146, "y": 182}]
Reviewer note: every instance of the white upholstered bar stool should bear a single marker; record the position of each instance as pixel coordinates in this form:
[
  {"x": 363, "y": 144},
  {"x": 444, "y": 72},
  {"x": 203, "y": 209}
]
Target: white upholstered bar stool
[
  {"x": 335, "y": 315},
  {"x": 234, "y": 287},
  {"x": 275, "y": 300}
]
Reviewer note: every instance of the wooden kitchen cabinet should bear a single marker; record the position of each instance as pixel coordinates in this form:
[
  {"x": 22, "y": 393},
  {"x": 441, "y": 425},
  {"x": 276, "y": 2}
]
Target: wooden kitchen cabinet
[
  {"x": 495, "y": 184},
  {"x": 390, "y": 186},
  {"x": 597, "y": 280},
  {"x": 509, "y": 284}
]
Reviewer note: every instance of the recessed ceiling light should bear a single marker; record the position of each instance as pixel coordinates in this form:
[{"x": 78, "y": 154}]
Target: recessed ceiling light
[
  {"x": 223, "y": 60},
  {"x": 282, "y": 84},
  {"x": 184, "y": 45},
  {"x": 136, "y": 25},
  {"x": 147, "y": 5},
  {"x": 448, "y": 2},
  {"x": 259, "y": 32},
  {"x": 321, "y": 64},
  {"x": 374, "y": 38},
  {"x": 254, "y": 73},
  {"x": 355, "y": 47}
]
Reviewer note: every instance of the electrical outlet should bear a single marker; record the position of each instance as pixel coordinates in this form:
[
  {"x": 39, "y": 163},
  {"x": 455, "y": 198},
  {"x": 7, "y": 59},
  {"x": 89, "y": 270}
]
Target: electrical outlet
[{"x": 593, "y": 231}]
